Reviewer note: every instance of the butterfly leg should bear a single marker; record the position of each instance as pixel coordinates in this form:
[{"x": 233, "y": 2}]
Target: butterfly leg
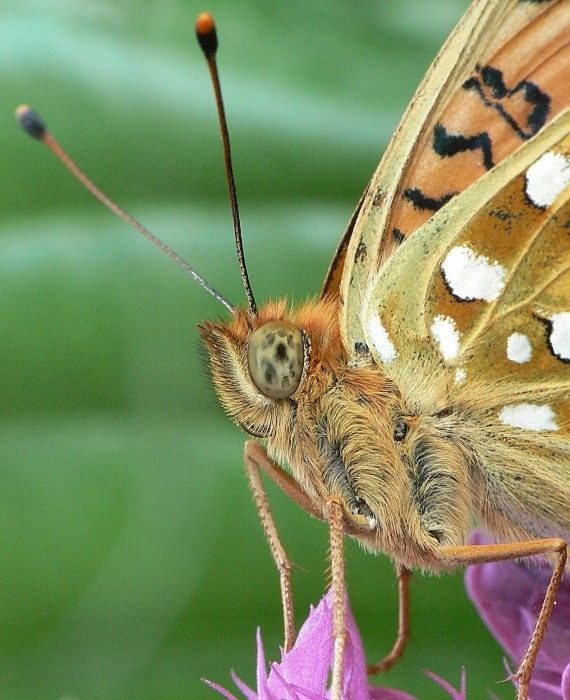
[
  {"x": 403, "y": 576},
  {"x": 336, "y": 530},
  {"x": 481, "y": 554},
  {"x": 256, "y": 458}
]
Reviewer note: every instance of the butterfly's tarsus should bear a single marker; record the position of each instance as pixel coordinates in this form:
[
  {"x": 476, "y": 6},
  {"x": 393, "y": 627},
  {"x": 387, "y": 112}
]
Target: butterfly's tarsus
[
  {"x": 481, "y": 554},
  {"x": 254, "y": 460},
  {"x": 336, "y": 531},
  {"x": 524, "y": 671}
]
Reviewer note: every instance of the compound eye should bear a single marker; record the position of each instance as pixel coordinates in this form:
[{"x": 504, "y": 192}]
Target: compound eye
[{"x": 275, "y": 359}]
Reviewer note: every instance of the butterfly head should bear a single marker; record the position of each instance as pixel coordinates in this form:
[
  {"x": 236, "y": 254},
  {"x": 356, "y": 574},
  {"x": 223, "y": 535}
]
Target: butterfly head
[{"x": 340, "y": 424}]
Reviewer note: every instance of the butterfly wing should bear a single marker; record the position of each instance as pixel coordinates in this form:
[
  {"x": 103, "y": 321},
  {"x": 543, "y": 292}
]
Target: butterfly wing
[
  {"x": 472, "y": 317},
  {"x": 499, "y": 78}
]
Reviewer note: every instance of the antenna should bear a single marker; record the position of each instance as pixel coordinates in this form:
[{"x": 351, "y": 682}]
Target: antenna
[
  {"x": 32, "y": 124},
  {"x": 208, "y": 40}
]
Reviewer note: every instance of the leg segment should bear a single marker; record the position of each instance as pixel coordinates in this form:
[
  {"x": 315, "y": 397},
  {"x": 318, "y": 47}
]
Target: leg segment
[
  {"x": 255, "y": 459},
  {"x": 403, "y": 575},
  {"x": 339, "y": 593},
  {"x": 482, "y": 554}
]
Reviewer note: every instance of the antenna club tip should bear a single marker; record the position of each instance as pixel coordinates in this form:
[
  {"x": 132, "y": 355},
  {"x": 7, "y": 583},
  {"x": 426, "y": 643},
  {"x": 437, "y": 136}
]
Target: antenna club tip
[
  {"x": 205, "y": 23},
  {"x": 31, "y": 122},
  {"x": 206, "y": 33}
]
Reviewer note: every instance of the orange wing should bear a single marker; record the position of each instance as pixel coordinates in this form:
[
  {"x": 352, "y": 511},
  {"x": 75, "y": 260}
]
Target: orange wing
[{"x": 500, "y": 77}]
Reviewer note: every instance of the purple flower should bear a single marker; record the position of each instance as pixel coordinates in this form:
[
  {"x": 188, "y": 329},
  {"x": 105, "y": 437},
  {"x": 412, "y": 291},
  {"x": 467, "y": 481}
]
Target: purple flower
[
  {"x": 508, "y": 596},
  {"x": 303, "y": 672}
]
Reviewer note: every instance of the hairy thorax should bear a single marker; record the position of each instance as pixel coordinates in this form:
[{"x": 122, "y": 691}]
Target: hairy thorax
[{"x": 346, "y": 433}]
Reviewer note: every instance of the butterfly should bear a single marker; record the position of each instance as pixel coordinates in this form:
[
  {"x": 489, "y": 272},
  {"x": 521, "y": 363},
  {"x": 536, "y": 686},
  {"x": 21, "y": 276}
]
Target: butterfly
[{"x": 428, "y": 386}]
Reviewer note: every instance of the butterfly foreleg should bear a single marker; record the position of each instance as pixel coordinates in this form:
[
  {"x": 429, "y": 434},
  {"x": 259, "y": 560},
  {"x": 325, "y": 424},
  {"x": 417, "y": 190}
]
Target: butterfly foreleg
[
  {"x": 256, "y": 458},
  {"x": 336, "y": 532},
  {"x": 482, "y": 554},
  {"x": 403, "y": 576}
]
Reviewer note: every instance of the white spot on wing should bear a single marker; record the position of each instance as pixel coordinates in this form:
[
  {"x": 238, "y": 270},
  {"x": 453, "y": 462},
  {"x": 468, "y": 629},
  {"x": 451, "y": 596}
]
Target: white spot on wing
[
  {"x": 519, "y": 348},
  {"x": 446, "y": 335},
  {"x": 546, "y": 178},
  {"x": 471, "y": 276},
  {"x": 381, "y": 340},
  {"x": 530, "y": 416},
  {"x": 560, "y": 335}
]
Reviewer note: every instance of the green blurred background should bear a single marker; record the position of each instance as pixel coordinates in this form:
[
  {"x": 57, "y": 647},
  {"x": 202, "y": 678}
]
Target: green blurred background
[{"x": 131, "y": 558}]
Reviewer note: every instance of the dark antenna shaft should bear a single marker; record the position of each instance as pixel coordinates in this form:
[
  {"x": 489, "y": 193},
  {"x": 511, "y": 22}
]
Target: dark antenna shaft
[
  {"x": 208, "y": 40},
  {"x": 32, "y": 124}
]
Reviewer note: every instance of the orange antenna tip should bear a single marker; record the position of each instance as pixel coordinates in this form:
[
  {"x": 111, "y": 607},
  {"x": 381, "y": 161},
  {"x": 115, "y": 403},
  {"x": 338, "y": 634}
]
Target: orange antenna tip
[
  {"x": 31, "y": 122},
  {"x": 205, "y": 23},
  {"x": 206, "y": 33}
]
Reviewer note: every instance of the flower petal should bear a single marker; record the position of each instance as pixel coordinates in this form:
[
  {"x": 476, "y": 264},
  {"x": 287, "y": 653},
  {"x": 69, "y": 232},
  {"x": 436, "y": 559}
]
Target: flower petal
[
  {"x": 245, "y": 689},
  {"x": 455, "y": 694},
  {"x": 303, "y": 672},
  {"x": 223, "y": 691},
  {"x": 307, "y": 664},
  {"x": 565, "y": 686},
  {"x": 261, "y": 673}
]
